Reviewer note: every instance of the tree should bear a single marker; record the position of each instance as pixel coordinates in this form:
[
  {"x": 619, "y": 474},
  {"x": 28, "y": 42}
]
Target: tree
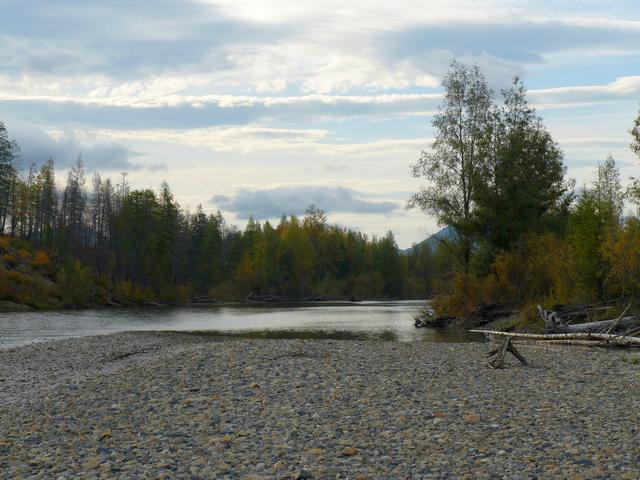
[
  {"x": 594, "y": 218},
  {"x": 46, "y": 205},
  {"x": 633, "y": 191},
  {"x": 458, "y": 156},
  {"x": 8, "y": 176},
  {"x": 138, "y": 235},
  {"x": 608, "y": 191},
  {"x": 168, "y": 231},
  {"x": 386, "y": 260},
  {"x": 523, "y": 184},
  {"x": 73, "y": 206}
]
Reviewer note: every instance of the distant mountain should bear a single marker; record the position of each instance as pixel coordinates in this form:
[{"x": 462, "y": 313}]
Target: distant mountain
[{"x": 446, "y": 233}]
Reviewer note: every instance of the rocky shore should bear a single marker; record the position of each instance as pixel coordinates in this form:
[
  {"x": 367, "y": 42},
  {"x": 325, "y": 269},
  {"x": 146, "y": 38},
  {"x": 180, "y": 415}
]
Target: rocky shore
[{"x": 160, "y": 405}]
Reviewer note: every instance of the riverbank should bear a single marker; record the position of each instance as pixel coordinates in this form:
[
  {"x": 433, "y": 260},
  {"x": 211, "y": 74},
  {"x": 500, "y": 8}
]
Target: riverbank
[{"x": 160, "y": 405}]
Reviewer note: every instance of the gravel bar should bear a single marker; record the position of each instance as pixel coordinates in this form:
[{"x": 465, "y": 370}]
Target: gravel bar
[{"x": 162, "y": 405}]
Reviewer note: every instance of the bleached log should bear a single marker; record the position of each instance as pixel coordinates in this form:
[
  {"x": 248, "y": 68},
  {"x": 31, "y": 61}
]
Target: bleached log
[
  {"x": 554, "y": 323},
  {"x": 595, "y": 338},
  {"x": 599, "y": 326}
]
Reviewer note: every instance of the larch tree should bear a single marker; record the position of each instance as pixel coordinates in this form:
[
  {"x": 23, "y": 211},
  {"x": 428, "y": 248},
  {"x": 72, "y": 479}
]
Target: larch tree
[
  {"x": 46, "y": 205},
  {"x": 454, "y": 163},
  {"x": 608, "y": 191},
  {"x": 8, "y": 176},
  {"x": 74, "y": 201},
  {"x": 595, "y": 215}
]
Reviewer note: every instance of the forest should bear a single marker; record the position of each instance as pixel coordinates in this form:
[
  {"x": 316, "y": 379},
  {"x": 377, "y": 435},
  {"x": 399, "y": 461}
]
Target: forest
[
  {"x": 520, "y": 232},
  {"x": 101, "y": 242},
  {"x": 525, "y": 234}
]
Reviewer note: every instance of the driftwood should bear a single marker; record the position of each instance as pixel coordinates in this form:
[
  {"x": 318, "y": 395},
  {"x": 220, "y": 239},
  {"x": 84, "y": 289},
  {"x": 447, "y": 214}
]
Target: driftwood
[
  {"x": 621, "y": 331},
  {"x": 593, "y": 339},
  {"x": 501, "y": 351},
  {"x": 556, "y": 322}
]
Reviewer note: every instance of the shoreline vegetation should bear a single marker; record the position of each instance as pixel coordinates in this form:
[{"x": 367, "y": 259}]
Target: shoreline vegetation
[
  {"x": 516, "y": 232},
  {"x": 165, "y": 405},
  {"x": 520, "y": 234},
  {"x": 78, "y": 245}
]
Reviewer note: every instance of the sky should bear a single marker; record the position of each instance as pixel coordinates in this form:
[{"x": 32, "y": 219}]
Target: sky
[{"x": 262, "y": 108}]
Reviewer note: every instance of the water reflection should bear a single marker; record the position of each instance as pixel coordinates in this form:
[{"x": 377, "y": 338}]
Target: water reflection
[{"x": 385, "y": 321}]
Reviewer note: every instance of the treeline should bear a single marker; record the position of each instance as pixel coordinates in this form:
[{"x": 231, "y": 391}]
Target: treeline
[
  {"x": 145, "y": 245},
  {"x": 524, "y": 233}
]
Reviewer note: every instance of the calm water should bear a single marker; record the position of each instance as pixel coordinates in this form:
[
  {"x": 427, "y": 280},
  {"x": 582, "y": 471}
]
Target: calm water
[{"x": 364, "y": 320}]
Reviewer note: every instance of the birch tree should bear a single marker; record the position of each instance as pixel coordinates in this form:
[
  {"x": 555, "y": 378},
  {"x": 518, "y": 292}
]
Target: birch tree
[{"x": 455, "y": 162}]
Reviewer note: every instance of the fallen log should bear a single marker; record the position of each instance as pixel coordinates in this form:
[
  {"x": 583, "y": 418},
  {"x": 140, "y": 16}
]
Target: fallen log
[
  {"x": 595, "y": 327},
  {"x": 555, "y": 324},
  {"x": 594, "y": 339}
]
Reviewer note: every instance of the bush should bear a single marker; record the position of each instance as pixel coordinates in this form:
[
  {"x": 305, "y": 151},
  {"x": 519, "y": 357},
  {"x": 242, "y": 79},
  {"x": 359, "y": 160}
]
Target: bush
[
  {"x": 5, "y": 242},
  {"x": 10, "y": 260},
  {"x": 126, "y": 292},
  {"x": 621, "y": 254},
  {"x": 540, "y": 270},
  {"x": 40, "y": 259},
  {"x": 176, "y": 294},
  {"x": 76, "y": 284}
]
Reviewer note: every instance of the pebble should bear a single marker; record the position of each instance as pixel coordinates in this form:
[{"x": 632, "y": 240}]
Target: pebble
[{"x": 160, "y": 405}]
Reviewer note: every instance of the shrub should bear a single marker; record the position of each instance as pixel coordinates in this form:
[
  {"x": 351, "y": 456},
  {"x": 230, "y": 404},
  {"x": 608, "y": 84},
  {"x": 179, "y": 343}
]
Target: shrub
[
  {"x": 621, "y": 253},
  {"x": 76, "y": 284},
  {"x": 5, "y": 242},
  {"x": 176, "y": 294},
  {"x": 128, "y": 292},
  {"x": 10, "y": 260},
  {"x": 539, "y": 270},
  {"x": 40, "y": 259}
]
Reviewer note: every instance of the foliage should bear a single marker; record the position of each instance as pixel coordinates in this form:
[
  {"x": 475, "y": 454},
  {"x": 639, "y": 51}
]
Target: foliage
[
  {"x": 458, "y": 156},
  {"x": 522, "y": 189},
  {"x": 93, "y": 237},
  {"x": 595, "y": 216},
  {"x": 40, "y": 259},
  {"x": 77, "y": 284},
  {"x": 621, "y": 255}
]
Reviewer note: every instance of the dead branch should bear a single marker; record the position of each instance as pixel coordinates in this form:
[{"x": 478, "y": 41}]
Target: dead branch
[{"x": 501, "y": 351}]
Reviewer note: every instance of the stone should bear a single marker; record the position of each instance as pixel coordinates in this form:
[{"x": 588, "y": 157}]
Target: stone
[
  {"x": 92, "y": 463},
  {"x": 348, "y": 452}
]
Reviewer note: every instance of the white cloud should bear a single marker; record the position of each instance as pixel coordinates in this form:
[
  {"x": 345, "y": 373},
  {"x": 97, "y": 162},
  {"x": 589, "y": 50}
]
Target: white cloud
[
  {"x": 623, "y": 88},
  {"x": 274, "y": 202},
  {"x": 257, "y": 139}
]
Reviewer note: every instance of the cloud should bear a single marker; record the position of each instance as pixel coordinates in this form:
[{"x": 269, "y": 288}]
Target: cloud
[
  {"x": 152, "y": 36},
  {"x": 200, "y": 111},
  {"x": 256, "y": 139},
  {"x": 517, "y": 41},
  {"x": 330, "y": 167},
  {"x": 623, "y": 88},
  {"x": 37, "y": 145},
  {"x": 272, "y": 203}
]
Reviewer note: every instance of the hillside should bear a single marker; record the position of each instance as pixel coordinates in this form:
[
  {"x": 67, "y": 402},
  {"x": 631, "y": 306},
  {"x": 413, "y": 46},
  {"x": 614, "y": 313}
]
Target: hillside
[
  {"x": 30, "y": 279},
  {"x": 446, "y": 233}
]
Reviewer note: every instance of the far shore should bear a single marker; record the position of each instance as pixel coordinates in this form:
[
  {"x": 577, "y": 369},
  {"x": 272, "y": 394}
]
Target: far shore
[
  {"x": 12, "y": 307},
  {"x": 169, "y": 405}
]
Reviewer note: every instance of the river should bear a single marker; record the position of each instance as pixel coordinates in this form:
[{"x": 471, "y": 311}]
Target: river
[{"x": 391, "y": 321}]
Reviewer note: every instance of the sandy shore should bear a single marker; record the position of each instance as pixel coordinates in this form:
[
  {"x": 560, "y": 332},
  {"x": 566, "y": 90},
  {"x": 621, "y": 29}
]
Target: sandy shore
[{"x": 151, "y": 405}]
